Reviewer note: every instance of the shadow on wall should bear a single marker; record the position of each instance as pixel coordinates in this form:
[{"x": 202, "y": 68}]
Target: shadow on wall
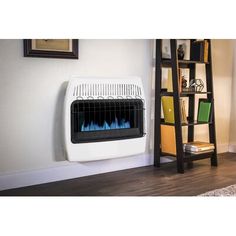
[{"x": 58, "y": 136}]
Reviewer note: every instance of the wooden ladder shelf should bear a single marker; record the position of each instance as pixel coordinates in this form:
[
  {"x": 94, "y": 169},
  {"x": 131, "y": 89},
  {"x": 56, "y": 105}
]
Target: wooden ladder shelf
[{"x": 173, "y": 63}]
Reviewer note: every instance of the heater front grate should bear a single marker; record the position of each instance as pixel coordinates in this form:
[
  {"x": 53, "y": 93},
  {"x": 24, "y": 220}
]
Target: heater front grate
[
  {"x": 86, "y": 90},
  {"x": 106, "y": 119}
]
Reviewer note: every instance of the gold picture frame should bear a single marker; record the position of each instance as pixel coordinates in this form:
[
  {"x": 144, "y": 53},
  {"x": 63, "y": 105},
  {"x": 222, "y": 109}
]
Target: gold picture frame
[{"x": 52, "y": 48}]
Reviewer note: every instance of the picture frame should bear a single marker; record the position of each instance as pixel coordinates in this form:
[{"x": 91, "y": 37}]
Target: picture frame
[
  {"x": 52, "y": 48},
  {"x": 166, "y": 53},
  {"x": 186, "y": 46}
]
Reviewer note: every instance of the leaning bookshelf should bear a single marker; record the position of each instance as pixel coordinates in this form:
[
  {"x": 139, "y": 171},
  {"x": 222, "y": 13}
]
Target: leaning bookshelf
[{"x": 182, "y": 155}]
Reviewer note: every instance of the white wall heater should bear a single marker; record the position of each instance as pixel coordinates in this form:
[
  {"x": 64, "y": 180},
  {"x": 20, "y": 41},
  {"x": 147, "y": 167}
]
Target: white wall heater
[{"x": 104, "y": 118}]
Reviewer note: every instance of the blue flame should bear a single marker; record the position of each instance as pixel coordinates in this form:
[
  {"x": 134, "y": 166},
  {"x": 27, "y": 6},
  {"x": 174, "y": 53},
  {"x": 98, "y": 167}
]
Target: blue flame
[{"x": 114, "y": 125}]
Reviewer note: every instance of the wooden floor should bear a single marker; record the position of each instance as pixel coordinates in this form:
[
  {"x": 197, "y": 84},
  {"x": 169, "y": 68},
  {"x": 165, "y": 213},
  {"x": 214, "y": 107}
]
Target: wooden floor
[{"x": 143, "y": 181}]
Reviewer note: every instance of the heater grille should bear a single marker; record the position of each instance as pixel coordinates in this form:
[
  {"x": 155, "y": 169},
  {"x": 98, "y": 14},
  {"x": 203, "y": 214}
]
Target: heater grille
[
  {"x": 99, "y": 120},
  {"x": 104, "y": 117},
  {"x": 105, "y": 90}
]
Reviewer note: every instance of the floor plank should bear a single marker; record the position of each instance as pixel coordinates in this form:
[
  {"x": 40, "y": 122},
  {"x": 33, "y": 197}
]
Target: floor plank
[{"x": 143, "y": 181}]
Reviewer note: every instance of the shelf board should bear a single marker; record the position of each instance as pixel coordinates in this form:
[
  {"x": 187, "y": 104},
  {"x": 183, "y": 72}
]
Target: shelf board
[
  {"x": 198, "y": 156},
  {"x": 193, "y": 93},
  {"x": 182, "y": 63},
  {"x": 164, "y": 154},
  {"x": 192, "y": 156},
  {"x": 196, "y": 123},
  {"x": 167, "y": 94},
  {"x": 187, "y": 124},
  {"x": 184, "y": 94},
  {"x": 192, "y": 62}
]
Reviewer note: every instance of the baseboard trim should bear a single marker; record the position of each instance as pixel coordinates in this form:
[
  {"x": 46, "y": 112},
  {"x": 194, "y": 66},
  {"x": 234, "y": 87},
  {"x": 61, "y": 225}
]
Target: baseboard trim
[
  {"x": 76, "y": 170},
  {"x": 221, "y": 148},
  {"x": 232, "y": 148},
  {"x": 34, "y": 177}
]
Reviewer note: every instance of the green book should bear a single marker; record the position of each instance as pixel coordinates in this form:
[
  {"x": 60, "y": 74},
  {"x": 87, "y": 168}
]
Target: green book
[{"x": 204, "y": 111}]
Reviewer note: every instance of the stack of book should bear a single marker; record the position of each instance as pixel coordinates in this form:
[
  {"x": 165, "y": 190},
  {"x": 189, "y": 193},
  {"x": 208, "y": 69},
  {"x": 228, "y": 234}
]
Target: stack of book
[
  {"x": 200, "y": 50},
  {"x": 198, "y": 147}
]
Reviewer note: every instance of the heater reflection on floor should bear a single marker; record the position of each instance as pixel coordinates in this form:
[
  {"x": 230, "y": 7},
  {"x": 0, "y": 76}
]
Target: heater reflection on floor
[{"x": 114, "y": 125}]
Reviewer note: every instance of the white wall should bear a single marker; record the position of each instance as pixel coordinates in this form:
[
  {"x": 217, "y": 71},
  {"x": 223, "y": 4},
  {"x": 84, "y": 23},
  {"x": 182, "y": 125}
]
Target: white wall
[
  {"x": 233, "y": 106},
  {"x": 31, "y": 97},
  {"x": 222, "y": 61}
]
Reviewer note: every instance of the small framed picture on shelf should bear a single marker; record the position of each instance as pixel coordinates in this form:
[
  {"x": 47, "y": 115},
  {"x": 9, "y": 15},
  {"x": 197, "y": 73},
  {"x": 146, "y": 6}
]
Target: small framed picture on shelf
[
  {"x": 183, "y": 49},
  {"x": 52, "y": 48},
  {"x": 183, "y": 46},
  {"x": 166, "y": 49}
]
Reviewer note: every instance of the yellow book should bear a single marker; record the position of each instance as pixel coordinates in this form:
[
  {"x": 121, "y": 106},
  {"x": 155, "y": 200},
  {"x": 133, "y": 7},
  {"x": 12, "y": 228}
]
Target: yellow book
[
  {"x": 168, "y": 139},
  {"x": 168, "y": 109},
  {"x": 206, "y": 49}
]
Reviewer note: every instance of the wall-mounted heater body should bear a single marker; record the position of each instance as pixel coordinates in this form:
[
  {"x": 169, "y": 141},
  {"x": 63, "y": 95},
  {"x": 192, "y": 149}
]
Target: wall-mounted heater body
[{"x": 104, "y": 118}]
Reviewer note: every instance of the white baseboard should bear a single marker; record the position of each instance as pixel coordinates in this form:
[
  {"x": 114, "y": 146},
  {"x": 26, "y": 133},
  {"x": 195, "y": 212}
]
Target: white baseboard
[
  {"x": 28, "y": 178},
  {"x": 232, "y": 148},
  {"x": 221, "y": 148}
]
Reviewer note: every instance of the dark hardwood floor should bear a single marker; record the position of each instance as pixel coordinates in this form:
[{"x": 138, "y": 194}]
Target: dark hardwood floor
[{"x": 143, "y": 181}]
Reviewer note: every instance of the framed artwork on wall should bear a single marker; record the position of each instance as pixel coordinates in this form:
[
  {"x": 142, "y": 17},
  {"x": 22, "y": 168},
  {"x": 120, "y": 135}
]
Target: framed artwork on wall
[{"x": 52, "y": 48}]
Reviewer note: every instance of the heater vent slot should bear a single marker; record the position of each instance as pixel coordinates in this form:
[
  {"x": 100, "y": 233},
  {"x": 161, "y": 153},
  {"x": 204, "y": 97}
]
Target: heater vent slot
[
  {"x": 106, "y": 90},
  {"x": 99, "y": 120}
]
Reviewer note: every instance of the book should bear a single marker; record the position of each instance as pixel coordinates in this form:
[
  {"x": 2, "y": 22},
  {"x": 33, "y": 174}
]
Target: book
[
  {"x": 180, "y": 80},
  {"x": 198, "y": 146},
  {"x": 206, "y": 50},
  {"x": 197, "y": 51},
  {"x": 183, "y": 112},
  {"x": 164, "y": 80},
  {"x": 204, "y": 110},
  {"x": 169, "y": 81},
  {"x": 168, "y": 110},
  {"x": 192, "y": 152},
  {"x": 168, "y": 139},
  {"x": 200, "y": 49}
]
